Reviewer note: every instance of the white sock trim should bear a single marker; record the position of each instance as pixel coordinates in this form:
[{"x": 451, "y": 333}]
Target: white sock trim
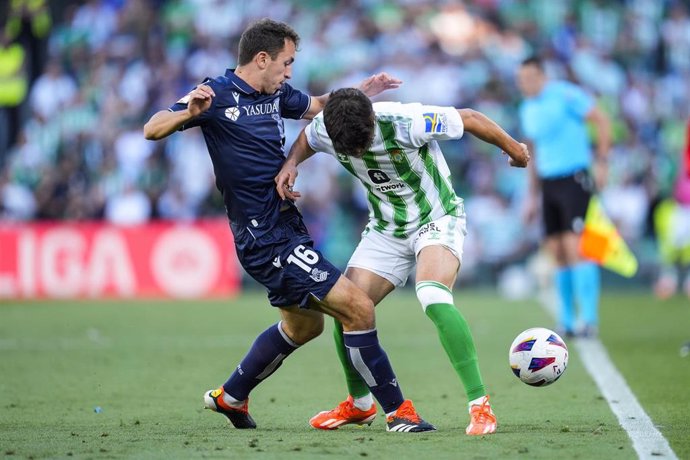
[
  {"x": 363, "y": 403},
  {"x": 285, "y": 336},
  {"x": 230, "y": 401},
  {"x": 476, "y": 402},
  {"x": 359, "y": 332},
  {"x": 431, "y": 292}
]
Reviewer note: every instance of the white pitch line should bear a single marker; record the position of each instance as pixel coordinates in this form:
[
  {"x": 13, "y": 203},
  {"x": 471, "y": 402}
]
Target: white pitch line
[{"x": 647, "y": 441}]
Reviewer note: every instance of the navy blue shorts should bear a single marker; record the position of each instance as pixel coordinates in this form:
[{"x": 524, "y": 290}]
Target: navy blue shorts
[{"x": 285, "y": 262}]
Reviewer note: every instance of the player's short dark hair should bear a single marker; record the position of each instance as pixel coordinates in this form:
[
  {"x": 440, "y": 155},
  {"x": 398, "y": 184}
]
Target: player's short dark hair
[
  {"x": 350, "y": 123},
  {"x": 265, "y": 35},
  {"x": 535, "y": 61}
]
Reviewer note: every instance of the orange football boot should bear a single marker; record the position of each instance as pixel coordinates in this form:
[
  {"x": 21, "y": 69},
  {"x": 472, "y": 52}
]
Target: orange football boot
[{"x": 346, "y": 413}]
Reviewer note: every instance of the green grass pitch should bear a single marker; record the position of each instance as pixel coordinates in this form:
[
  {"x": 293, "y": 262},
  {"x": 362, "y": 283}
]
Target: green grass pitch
[{"x": 145, "y": 365}]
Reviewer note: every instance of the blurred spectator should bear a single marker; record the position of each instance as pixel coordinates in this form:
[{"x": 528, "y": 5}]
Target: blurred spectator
[
  {"x": 52, "y": 91},
  {"x": 130, "y": 206},
  {"x": 29, "y": 23},
  {"x": 17, "y": 202},
  {"x": 14, "y": 84},
  {"x": 672, "y": 224}
]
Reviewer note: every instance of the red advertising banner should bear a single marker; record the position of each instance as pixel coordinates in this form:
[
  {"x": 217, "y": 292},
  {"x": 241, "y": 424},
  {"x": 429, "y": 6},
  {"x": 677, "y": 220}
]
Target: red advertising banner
[{"x": 159, "y": 259}]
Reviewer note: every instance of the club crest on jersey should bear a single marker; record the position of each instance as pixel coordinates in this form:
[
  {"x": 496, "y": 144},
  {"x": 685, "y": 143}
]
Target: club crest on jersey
[
  {"x": 232, "y": 113},
  {"x": 396, "y": 155},
  {"x": 435, "y": 122},
  {"x": 318, "y": 275}
]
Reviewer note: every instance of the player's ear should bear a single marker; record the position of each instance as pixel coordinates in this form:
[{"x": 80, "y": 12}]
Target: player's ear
[{"x": 262, "y": 59}]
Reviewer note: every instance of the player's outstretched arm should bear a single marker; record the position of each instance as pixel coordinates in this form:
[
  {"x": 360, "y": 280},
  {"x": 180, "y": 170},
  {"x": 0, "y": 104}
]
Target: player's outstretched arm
[
  {"x": 371, "y": 86},
  {"x": 602, "y": 126},
  {"x": 165, "y": 122},
  {"x": 378, "y": 83},
  {"x": 285, "y": 179},
  {"x": 486, "y": 129}
]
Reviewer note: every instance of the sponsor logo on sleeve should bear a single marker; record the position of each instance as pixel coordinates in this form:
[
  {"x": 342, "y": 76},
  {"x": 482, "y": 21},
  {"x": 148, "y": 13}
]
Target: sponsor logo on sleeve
[{"x": 435, "y": 122}]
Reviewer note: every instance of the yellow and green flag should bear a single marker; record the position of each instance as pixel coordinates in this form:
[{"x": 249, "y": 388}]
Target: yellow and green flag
[{"x": 601, "y": 242}]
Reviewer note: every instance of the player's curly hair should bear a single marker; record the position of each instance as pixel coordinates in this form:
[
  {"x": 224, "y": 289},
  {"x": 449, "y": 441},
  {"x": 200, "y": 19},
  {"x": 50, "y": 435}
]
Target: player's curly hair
[
  {"x": 350, "y": 123},
  {"x": 265, "y": 35}
]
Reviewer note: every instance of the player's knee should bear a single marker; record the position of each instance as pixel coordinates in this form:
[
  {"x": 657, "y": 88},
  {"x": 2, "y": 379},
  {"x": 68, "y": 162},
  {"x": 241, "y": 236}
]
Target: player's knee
[
  {"x": 308, "y": 333},
  {"x": 302, "y": 331},
  {"x": 432, "y": 292},
  {"x": 360, "y": 314}
]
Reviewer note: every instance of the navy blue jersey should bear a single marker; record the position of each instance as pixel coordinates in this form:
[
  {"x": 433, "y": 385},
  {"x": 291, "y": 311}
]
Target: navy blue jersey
[{"x": 245, "y": 137}]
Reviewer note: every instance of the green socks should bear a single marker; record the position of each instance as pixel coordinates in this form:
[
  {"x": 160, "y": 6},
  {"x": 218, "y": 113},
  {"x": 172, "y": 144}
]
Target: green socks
[{"x": 456, "y": 339}]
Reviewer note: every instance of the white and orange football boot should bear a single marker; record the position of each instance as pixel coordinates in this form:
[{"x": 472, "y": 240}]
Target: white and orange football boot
[
  {"x": 482, "y": 419},
  {"x": 345, "y": 413}
]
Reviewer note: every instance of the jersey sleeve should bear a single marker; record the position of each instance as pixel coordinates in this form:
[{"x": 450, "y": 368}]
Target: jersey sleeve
[
  {"x": 181, "y": 104},
  {"x": 317, "y": 137},
  {"x": 293, "y": 102},
  {"x": 431, "y": 122},
  {"x": 579, "y": 102}
]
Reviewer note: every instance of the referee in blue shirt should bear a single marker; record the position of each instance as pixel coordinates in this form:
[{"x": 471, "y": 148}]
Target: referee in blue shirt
[
  {"x": 554, "y": 117},
  {"x": 241, "y": 117}
]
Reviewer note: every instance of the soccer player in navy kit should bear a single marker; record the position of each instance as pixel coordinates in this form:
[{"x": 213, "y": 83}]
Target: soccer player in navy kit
[{"x": 241, "y": 117}]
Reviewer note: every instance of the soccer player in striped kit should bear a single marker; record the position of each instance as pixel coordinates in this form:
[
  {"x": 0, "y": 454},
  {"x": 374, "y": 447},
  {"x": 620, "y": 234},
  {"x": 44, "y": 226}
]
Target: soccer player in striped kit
[{"x": 415, "y": 218}]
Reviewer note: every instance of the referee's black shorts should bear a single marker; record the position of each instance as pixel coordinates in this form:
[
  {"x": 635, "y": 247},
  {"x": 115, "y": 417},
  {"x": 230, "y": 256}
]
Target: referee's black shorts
[{"x": 564, "y": 202}]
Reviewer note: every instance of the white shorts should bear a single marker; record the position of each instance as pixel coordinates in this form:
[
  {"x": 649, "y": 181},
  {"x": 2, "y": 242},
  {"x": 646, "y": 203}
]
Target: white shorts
[{"x": 395, "y": 258}]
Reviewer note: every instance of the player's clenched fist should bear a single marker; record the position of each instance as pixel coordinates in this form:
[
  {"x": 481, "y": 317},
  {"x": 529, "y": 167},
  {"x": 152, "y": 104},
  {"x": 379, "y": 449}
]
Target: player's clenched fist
[{"x": 200, "y": 100}]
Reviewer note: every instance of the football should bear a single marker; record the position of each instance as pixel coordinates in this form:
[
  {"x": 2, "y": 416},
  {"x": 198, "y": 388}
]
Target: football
[{"x": 538, "y": 356}]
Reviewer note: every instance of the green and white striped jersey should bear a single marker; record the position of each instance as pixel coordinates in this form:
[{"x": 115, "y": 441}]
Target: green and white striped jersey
[{"x": 404, "y": 172}]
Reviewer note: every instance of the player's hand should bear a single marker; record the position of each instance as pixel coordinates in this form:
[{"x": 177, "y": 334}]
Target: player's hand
[
  {"x": 378, "y": 83},
  {"x": 200, "y": 99},
  {"x": 600, "y": 170},
  {"x": 521, "y": 158},
  {"x": 530, "y": 210},
  {"x": 285, "y": 180}
]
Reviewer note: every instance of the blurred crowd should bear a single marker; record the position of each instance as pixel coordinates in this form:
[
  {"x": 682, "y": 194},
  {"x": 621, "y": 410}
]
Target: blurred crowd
[{"x": 71, "y": 143}]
